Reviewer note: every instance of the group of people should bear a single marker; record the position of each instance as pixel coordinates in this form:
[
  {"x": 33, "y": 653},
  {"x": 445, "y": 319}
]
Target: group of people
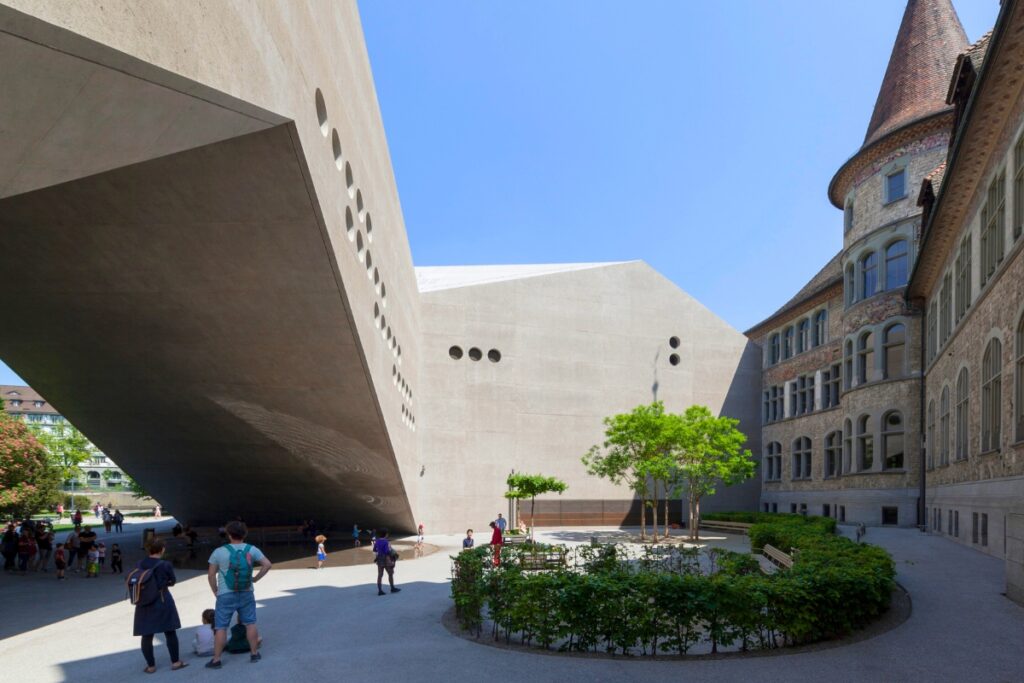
[
  {"x": 30, "y": 544},
  {"x": 498, "y": 527},
  {"x": 231, "y": 575}
]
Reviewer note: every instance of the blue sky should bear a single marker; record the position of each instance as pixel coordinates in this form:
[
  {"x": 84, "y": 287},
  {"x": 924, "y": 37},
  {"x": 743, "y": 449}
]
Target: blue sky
[{"x": 697, "y": 136}]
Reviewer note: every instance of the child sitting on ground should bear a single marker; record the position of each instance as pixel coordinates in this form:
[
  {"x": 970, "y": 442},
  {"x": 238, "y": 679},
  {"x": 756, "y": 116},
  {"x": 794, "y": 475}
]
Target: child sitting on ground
[
  {"x": 321, "y": 553},
  {"x": 93, "y": 567},
  {"x": 202, "y": 641}
]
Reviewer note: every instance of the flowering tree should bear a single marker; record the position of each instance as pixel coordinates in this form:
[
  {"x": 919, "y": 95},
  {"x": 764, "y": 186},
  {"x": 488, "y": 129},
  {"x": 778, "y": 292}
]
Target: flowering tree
[{"x": 28, "y": 482}]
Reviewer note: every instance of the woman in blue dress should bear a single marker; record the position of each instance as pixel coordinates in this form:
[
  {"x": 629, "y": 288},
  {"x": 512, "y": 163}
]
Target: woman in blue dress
[{"x": 161, "y": 615}]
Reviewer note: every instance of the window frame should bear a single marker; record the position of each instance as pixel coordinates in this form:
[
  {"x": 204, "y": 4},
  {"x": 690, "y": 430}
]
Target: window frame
[
  {"x": 867, "y": 271},
  {"x": 865, "y": 444},
  {"x": 944, "y": 426},
  {"x": 888, "y": 345},
  {"x": 991, "y": 396},
  {"x": 963, "y": 392},
  {"x": 890, "y": 259},
  {"x": 891, "y": 434},
  {"x": 888, "y": 197}
]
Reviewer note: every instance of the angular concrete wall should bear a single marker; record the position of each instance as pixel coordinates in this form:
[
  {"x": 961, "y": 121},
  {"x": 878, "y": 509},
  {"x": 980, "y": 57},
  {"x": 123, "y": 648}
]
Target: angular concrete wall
[
  {"x": 577, "y": 343},
  {"x": 200, "y": 220}
]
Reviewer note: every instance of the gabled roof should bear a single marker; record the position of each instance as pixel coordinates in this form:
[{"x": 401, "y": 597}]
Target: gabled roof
[
  {"x": 831, "y": 273},
  {"x": 433, "y": 278},
  {"x": 920, "y": 67},
  {"x": 931, "y": 183}
]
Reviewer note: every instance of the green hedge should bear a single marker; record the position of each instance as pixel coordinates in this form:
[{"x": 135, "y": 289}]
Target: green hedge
[{"x": 661, "y": 603}]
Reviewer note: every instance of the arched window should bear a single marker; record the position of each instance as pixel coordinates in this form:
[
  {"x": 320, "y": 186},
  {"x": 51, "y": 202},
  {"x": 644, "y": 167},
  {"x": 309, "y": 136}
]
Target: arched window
[
  {"x": 833, "y": 454},
  {"x": 892, "y": 440},
  {"x": 896, "y": 265},
  {"x": 820, "y": 327},
  {"x": 848, "y": 216},
  {"x": 930, "y": 436},
  {"x": 894, "y": 339},
  {"x": 962, "y": 392},
  {"x": 774, "y": 353},
  {"x": 93, "y": 474},
  {"x": 865, "y": 444},
  {"x": 847, "y": 446},
  {"x": 866, "y": 358},
  {"x": 944, "y": 427},
  {"x": 803, "y": 337},
  {"x": 991, "y": 393},
  {"x": 773, "y": 461},
  {"x": 868, "y": 275},
  {"x": 802, "y": 458},
  {"x": 1018, "y": 404},
  {"x": 851, "y": 289},
  {"x": 848, "y": 370},
  {"x": 787, "y": 343}
]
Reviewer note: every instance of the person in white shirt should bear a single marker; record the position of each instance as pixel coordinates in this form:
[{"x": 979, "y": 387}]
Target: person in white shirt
[{"x": 202, "y": 641}]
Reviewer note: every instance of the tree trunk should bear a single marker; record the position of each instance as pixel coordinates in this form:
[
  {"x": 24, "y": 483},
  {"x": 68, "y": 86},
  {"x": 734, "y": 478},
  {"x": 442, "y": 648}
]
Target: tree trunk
[
  {"x": 533, "y": 524},
  {"x": 693, "y": 517},
  {"x": 643, "y": 515},
  {"x": 654, "y": 513},
  {"x": 666, "y": 509}
]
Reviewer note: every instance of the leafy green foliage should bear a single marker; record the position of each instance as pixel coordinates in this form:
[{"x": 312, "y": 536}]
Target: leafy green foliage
[
  {"x": 67, "y": 448},
  {"x": 28, "y": 481},
  {"x": 657, "y": 600},
  {"x": 523, "y": 486}
]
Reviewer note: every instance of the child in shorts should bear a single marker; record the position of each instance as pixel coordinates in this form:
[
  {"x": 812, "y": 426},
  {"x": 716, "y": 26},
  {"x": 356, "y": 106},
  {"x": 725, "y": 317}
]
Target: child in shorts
[
  {"x": 202, "y": 641},
  {"x": 60, "y": 561},
  {"x": 93, "y": 567},
  {"x": 115, "y": 559},
  {"x": 103, "y": 553},
  {"x": 321, "y": 553}
]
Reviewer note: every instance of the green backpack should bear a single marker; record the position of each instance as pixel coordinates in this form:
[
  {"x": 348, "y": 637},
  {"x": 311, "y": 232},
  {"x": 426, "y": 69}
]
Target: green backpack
[{"x": 238, "y": 576}]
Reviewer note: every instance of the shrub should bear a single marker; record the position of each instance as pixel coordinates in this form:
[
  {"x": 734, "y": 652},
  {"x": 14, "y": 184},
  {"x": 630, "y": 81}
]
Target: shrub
[
  {"x": 72, "y": 502},
  {"x": 658, "y": 601}
]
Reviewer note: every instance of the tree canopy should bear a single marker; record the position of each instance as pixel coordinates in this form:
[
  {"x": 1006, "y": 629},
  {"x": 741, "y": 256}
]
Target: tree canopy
[
  {"x": 659, "y": 454},
  {"x": 28, "y": 481},
  {"x": 522, "y": 486},
  {"x": 67, "y": 448}
]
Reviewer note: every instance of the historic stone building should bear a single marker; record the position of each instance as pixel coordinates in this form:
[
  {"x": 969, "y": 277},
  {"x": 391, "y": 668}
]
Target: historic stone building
[
  {"x": 969, "y": 282},
  {"x": 893, "y": 382},
  {"x": 842, "y": 371}
]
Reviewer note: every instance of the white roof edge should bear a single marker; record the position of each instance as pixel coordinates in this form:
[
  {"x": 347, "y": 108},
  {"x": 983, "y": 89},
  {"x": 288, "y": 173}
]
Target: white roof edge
[{"x": 434, "y": 278}]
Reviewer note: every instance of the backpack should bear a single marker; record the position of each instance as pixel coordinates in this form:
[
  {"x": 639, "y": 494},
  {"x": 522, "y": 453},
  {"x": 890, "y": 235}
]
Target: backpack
[
  {"x": 141, "y": 587},
  {"x": 238, "y": 577}
]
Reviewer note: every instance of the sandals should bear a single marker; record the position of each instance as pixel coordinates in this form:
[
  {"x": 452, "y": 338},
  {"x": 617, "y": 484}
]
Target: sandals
[
  {"x": 179, "y": 667},
  {"x": 149, "y": 670}
]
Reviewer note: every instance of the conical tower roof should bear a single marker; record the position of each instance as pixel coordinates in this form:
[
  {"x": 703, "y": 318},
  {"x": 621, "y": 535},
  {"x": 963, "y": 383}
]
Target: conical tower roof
[{"x": 920, "y": 67}]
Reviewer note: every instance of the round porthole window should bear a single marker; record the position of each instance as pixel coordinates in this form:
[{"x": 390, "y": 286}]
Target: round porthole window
[
  {"x": 494, "y": 355},
  {"x": 321, "y": 112},
  {"x": 674, "y": 359},
  {"x": 475, "y": 354},
  {"x": 455, "y": 353},
  {"x": 673, "y": 342}
]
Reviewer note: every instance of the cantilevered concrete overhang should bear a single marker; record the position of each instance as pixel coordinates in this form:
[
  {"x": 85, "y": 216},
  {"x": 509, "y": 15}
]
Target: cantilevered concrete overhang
[{"x": 173, "y": 287}]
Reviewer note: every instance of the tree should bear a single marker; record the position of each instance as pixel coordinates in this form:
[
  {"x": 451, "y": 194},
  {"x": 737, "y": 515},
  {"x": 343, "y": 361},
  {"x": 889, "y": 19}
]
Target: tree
[
  {"x": 28, "y": 480},
  {"x": 67, "y": 447},
  {"x": 129, "y": 484},
  {"x": 707, "y": 451},
  {"x": 523, "y": 486},
  {"x": 635, "y": 443}
]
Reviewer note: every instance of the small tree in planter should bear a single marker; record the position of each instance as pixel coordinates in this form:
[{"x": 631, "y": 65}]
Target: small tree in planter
[{"x": 523, "y": 486}]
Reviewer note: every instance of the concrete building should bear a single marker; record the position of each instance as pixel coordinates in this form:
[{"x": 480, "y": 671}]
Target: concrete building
[
  {"x": 24, "y": 403},
  {"x": 227, "y": 302}
]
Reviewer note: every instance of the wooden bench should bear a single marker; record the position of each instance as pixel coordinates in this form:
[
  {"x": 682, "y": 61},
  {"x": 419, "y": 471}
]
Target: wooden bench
[
  {"x": 740, "y": 527},
  {"x": 541, "y": 560},
  {"x": 517, "y": 539},
  {"x": 780, "y": 558}
]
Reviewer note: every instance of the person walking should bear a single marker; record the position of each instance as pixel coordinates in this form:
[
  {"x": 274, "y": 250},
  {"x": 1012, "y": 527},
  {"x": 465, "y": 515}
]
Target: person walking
[
  {"x": 231, "y": 580},
  {"x": 108, "y": 520},
  {"x": 420, "y": 538},
  {"x": 118, "y": 521},
  {"x": 71, "y": 544},
  {"x": 355, "y": 536},
  {"x": 10, "y": 547},
  {"x": 60, "y": 511},
  {"x": 321, "y": 552},
  {"x": 115, "y": 559},
  {"x": 44, "y": 539},
  {"x": 502, "y": 524},
  {"x": 86, "y": 541},
  {"x": 77, "y": 518},
  {"x": 385, "y": 557},
  {"x": 496, "y": 542},
  {"x": 160, "y": 615},
  {"x": 26, "y": 549}
]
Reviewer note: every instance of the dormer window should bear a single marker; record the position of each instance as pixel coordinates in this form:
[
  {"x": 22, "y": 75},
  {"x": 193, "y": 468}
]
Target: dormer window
[
  {"x": 15, "y": 403},
  {"x": 37, "y": 404},
  {"x": 896, "y": 185}
]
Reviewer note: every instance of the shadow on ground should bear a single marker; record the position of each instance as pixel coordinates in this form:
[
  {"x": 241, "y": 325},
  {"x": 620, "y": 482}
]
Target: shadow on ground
[{"x": 289, "y": 628}]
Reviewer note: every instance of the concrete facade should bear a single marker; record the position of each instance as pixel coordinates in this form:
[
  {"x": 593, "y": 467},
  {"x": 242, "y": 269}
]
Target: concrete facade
[
  {"x": 227, "y": 303},
  {"x": 560, "y": 348}
]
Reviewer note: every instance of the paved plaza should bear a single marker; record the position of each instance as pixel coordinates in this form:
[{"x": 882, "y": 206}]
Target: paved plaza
[{"x": 331, "y": 625}]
